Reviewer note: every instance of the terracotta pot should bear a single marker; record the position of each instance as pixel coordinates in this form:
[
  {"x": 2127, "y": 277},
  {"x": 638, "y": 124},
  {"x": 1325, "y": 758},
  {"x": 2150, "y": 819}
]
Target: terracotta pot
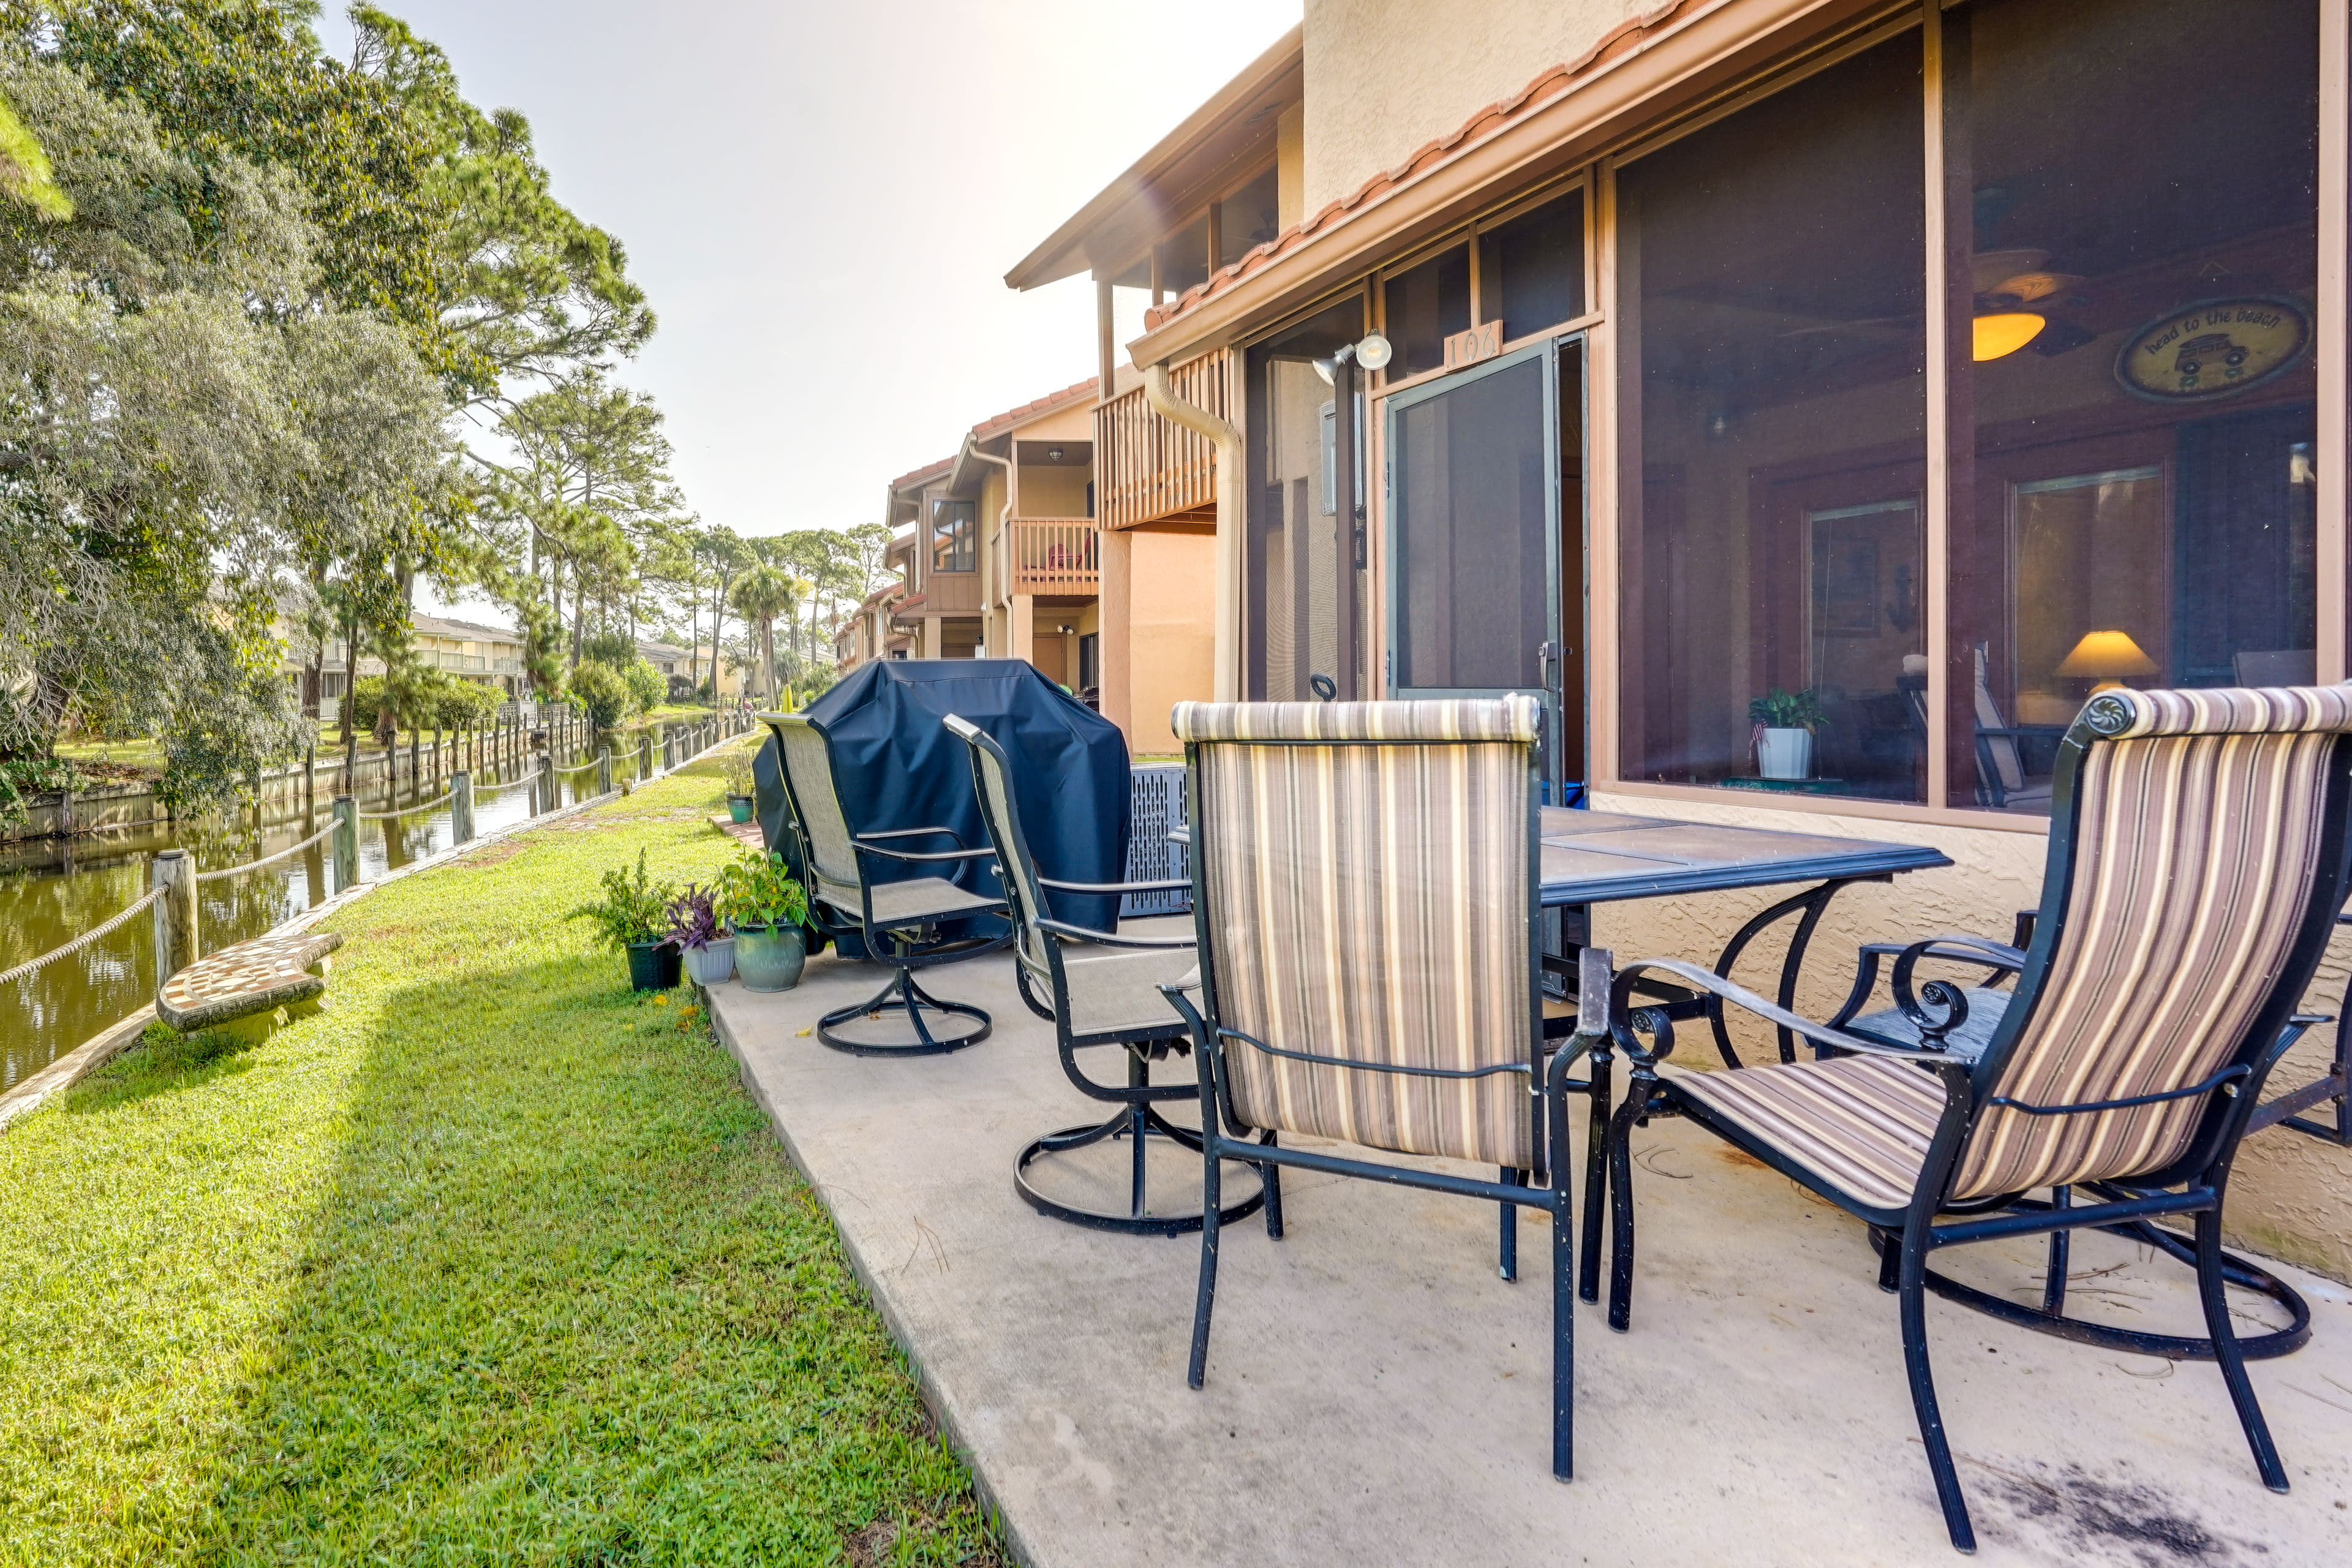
[{"x": 770, "y": 958}]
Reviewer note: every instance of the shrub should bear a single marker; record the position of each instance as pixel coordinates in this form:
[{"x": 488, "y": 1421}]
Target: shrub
[
  {"x": 600, "y": 690},
  {"x": 630, "y": 911},
  {"x": 648, "y": 686}
]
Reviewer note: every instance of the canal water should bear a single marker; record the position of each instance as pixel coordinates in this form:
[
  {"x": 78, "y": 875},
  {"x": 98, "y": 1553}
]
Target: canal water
[{"x": 51, "y": 891}]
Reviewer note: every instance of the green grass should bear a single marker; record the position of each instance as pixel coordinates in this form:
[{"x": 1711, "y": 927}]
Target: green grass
[{"x": 492, "y": 1262}]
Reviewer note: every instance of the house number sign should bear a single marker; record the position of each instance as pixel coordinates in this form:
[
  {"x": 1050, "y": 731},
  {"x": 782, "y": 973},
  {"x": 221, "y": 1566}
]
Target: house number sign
[
  {"x": 1483, "y": 341},
  {"x": 2213, "y": 349}
]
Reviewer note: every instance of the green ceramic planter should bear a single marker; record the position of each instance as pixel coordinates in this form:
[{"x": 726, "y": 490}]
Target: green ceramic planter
[
  {"x": 769, "y": 958},
  {"x": 738, "y": 807}
]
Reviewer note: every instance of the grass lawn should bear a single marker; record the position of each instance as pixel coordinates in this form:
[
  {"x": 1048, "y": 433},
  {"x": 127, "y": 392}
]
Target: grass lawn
[{"x": 491, "y": 1263}]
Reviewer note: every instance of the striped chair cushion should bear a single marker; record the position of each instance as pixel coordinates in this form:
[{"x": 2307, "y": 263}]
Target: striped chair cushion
[
  {"x": 1371, "y": 903},
  {"x": 2125, "y": 715},
  {"x": 1862, "y": 1124},
  {"x": 810, "y": 767},
  {"x": 2194, "y": 861}
]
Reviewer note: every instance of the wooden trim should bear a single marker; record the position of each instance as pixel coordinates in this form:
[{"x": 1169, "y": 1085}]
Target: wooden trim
[
  {"x": 1830, "y": 805},
  {"x": 2332, "y": 447},
  {"x": 1605, "y": 657},
  {"x": 1937, "y": 547}
]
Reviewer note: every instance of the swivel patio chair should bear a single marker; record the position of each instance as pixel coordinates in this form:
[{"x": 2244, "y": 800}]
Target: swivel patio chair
[
  {"x": 1365, "y": 887},
  {"x": 2198, "y": 857},
  {"x": 1110, "y": 997},
  {"x": 898, "y": 922}
]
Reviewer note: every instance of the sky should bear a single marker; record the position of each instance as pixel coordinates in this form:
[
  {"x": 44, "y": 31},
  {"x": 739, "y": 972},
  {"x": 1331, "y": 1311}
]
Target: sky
[{"x": 822, "y": 202}]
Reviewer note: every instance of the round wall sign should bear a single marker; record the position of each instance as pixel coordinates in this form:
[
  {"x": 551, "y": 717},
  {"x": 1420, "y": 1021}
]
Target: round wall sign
[{"x": 2212, "y": 349}]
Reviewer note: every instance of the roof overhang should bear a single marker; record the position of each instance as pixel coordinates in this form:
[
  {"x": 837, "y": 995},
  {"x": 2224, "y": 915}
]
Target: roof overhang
[
  {"x": 1643, "y": 75},
  {"x": 1235, "y": 129}
]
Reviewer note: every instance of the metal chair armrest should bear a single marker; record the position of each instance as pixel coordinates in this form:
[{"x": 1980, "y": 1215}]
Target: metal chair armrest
[
  {"x": 1620, "y": 1014},
  {"x": 1963, "y": 949},
  {"x": 1108, "y": 939},
  {"x": 914, "y": 832},
  {"x": 911, "y": 856},
  {"x": 1114, "y": 887}
]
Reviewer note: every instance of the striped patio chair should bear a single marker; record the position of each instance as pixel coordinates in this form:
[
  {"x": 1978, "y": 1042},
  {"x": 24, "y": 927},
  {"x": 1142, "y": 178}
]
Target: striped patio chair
[
  {"x": 2198, "y": 857},
  {"x": 899, "y": 923},
  {"x": 1365, "y": 891},
  {"x": 1099, "y": 988}
]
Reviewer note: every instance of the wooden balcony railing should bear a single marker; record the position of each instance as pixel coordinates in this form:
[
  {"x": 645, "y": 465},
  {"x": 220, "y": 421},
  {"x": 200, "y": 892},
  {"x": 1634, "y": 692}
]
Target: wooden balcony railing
[
  {"x": 1146, "y": 468},
  {"x": 1050, "y": 555}
]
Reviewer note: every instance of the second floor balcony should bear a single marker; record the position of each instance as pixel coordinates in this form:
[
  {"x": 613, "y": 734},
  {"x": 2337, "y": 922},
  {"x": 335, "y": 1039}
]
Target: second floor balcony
[
  {"x": 1054, "y": 555},
  {"x": 1148, "y": 468}
]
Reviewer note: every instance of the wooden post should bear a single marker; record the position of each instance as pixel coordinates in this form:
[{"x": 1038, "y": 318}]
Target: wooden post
[
  {"x": 646, "y": 754},
  {"x": 176, "y": 943},
  {"x": 604, "y": 771},
  {"x": 347, "y": 842},
  {"x": 461, "y": 807}
]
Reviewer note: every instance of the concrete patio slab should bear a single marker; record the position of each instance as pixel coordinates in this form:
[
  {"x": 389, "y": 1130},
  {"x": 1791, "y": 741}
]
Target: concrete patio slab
[{"x": 1377, "y": 1395}]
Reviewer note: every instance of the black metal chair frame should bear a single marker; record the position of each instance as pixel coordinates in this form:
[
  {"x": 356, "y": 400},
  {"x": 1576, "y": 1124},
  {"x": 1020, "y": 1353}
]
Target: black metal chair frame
[
  {"x": 887, "y": 943},
  {"x": 1137, "y": 1118},
  {"x": 1225, "y": 1137},
  {"x": 1911, "y": 1235}
]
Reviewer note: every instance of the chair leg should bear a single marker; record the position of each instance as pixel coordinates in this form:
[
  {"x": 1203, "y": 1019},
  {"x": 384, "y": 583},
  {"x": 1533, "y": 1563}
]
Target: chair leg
[
  {"x": 2053, "y": 1274},
  {"x": 1913, "y": 1290},
  {"x": 2226, "y": 1351},
  {"x": 1563, "y": 1339},
  {"x": 1621, "y": 1206},
  {"x": 1890, "y": 1261},
  {"x": 1205, "y": 1301},
  {"x": 1271, "y": 1175},
  {"x": 1509, "y": 1253},
  {"x": 1596, "y": 1174}
]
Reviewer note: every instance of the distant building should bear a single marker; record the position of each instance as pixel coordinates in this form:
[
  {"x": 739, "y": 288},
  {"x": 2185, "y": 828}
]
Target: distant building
[{"x": 489, "y": 656}]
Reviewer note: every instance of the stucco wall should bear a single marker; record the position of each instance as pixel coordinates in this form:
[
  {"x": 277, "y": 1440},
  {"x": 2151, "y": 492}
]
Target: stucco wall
[
  {"x": 1385, "y": 75},
  {"x": 2291, "y": 1197},
  {"x": 1172, "y": 632}
]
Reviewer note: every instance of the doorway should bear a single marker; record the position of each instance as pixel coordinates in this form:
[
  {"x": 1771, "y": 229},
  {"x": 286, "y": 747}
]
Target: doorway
[{"x": 1487, "y": 541}]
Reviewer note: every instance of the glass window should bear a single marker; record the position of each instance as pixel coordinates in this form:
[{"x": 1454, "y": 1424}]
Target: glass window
[
  {"x": 953, "y": 543},
  {"x": 1531, "y": 268},
  {"x": 2137, "y": 380},
  {"x": 1293, "y": 565},
  {"x": 1775, "y": 444},
  {"x": 1184, "y": 258},
  {"x": 1248, "y": 218},
  {"x": 1423, "y": 308}
]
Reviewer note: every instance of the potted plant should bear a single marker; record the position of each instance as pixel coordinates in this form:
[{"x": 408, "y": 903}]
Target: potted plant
[
  {"x": 1784, "y": 724},
  {"x": 632, "y": 916},
  {"x": 760, "y": 900},
  {"x": 701, "y": 940},
  {"x": 739, "y": 798}
]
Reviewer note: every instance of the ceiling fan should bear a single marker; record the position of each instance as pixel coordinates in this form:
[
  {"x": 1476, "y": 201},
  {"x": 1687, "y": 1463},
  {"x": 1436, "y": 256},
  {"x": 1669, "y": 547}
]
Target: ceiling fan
[{"x": 2015, "y": 298}]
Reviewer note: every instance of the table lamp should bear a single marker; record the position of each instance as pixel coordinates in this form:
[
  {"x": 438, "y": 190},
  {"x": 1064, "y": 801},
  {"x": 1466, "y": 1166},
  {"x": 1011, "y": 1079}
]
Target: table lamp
[{"x": 2109, "y": 656}]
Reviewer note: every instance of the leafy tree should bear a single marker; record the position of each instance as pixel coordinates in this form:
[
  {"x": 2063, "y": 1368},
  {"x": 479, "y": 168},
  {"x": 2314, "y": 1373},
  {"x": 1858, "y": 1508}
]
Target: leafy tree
[
  {"x": 760, "y": 595},
  {"x": 601, "y": 691},
  {"x": 25, "y": 172},
  {"x": 646, "y": 686}
]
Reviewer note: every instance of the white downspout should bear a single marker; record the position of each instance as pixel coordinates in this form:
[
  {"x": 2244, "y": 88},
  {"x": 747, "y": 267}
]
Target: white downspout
[
  {"x": 1004, "y": 532},
  {"x": 1168, "y": 406}
]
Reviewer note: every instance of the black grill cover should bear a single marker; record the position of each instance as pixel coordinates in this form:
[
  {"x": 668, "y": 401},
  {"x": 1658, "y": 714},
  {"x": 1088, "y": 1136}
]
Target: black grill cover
[{"x": 898, "y": 766}]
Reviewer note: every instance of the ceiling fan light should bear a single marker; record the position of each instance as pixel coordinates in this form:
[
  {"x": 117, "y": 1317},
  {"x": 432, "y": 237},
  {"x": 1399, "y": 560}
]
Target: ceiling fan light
[{"x": 2000, "y": 333}]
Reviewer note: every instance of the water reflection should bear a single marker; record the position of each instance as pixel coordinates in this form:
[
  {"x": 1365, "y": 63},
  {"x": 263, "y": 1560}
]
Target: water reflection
[{"x": 53, "y": 890}]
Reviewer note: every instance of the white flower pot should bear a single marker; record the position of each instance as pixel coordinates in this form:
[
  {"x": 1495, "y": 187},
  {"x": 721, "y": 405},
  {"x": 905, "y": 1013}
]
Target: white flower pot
[
  {"x": 1784, "y": 754},
  {"x": 710, "y": 965}
]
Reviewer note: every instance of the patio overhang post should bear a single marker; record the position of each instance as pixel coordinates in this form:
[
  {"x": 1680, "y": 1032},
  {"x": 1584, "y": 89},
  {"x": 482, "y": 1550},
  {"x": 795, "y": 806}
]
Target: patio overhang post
[{"x": 1168, "y": 406}]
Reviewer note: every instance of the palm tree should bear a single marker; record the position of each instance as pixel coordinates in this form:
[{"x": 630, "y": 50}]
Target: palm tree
[{"x": 760, "y": 595}]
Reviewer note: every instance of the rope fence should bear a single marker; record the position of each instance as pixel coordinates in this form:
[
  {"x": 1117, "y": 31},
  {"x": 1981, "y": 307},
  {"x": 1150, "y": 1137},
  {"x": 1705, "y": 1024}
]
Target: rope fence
[
  {"x": 84, "y": 940},
  {"x": 326, "y": 832},
  {"x": 441, "y": 799}
]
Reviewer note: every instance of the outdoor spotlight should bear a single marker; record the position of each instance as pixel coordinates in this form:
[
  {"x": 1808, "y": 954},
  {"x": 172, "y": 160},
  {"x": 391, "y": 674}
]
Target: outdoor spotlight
[
  {"x": 1374, "y": 352},
  {"x": 1324, "y": 367}
]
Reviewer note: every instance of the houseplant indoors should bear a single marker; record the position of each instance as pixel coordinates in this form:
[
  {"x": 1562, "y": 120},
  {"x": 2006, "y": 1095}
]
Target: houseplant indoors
[
  {"x": 1784, "y": 724},
  {"x": 700, "y": 938},
  {"x": 739, "y": 796},
  {"x": 632, "y": 916},
  {"x": 760, "y": 900}
]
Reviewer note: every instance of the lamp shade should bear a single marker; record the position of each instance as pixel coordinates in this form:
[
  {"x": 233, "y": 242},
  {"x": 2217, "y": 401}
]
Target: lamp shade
[{"x": 2107, "y": 655}]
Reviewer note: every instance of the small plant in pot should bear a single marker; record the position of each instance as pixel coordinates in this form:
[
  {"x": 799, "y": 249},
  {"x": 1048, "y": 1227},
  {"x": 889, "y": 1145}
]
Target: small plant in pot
[
  {"x": 1784, "y": 724},
  {"x": 766, "y": 908},
  {"x": 701, "y": 940},
  {"x": 634, "y": 916},
  {"x": 739, "y": 796}
]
